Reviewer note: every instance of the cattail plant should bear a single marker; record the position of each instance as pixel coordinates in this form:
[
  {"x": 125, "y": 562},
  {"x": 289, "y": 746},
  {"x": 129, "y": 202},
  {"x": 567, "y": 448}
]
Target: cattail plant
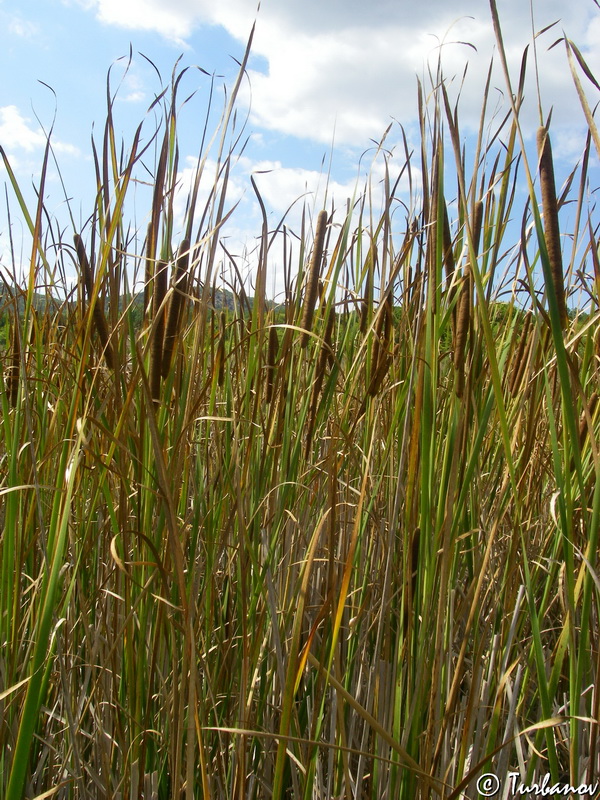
[
  {"x": 272, "y": 353},
  {"x": 464, "y": 305},
  {"x": 149, "y": 271},
  {"x": 449, "y": 264},
  {"x": 220, "y": 356},
  {"x": 158, "y": 327},
  {"x": 380, "y": 351},
  {"x": 325, "y": 356},
  {"x": 258, "y": 592},
  {"x": 411, "y": 561},
  {"x": 551, "y": 226},
  {"x": 525, "y": 342},
  {"x": 176, "y": 304},
  {"x": 314, "y": 272},
  {"x": 13, "y": 370},
  {"x": 448, "y": 255},
  {"x": 97, "y": 311},
  {"x": 366, "y": 302},
  {"x": 584, "y": 430},
  {"x": 383, "y": 330}
]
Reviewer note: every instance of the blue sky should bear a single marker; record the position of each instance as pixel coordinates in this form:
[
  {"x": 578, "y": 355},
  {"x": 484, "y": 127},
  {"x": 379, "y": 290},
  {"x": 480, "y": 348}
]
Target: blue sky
[{"x": 326, "y": 78}]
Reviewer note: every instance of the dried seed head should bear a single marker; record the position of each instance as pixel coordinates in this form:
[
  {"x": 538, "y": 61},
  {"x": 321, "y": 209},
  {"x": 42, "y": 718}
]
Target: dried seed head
[
  {"x": 449, "y": 263},
  {"x": 522, "y": 355},
  {"x": 314, "y": 271},
  {"x": 477, "y": 224},
  {"x": 14, "y": 369},
  {"x": 463, "y": 324},
  {"x": 149, "y": 269},
  {"x": 271, "y": 361},
  {"x": 325, "y": 356},
  {"x": 382, "y": 333},
  {"x": 583, "y": 426},
  {"x": 158, "y": 324},
  {"x": 366, "y": 302},
  {"x": 221, "y": 350},
  {"x": 176, "y": 305},
  {"x": 84, "y": 265},
  {"x": 464, "y": 307},
  {"x": 97, "y": 311},
  {"x": 551, "y": 226},
  {"x": 383, "y": 365},
  {"x": 411, "y": 581}
]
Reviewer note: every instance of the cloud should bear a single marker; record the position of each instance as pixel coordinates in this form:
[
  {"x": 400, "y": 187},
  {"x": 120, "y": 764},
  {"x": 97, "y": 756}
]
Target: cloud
[
  {"x": 353, "y": 66},
  {"x": 132, "y": 89},
  {"x": 292, "y": 196},
  {"x": 357, "y": 77},
  {"x": 23, "y": 28},
  {"x": 18, "y": 134},
  {"x": 175, "y": 21}
]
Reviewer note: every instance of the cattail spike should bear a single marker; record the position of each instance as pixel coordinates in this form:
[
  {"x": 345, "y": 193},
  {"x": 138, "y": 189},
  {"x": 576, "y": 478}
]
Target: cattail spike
[
  {"x": 14, "y": 369},
  {"x": 366, "y": 303},
  {"x": 463, "y": 315},
  {"x": 312, "y": 287},
  {"x": 158, "y": 324},
  {"x": 583, "y": 425},
  {"x": 477, "y": 224},
  {"x": 176, "y": 305},
  {"x": 551, "y": 226},
  {"x": 149, "y": 269},
  {"x": 448, "y": 255},
  {"x": 97, "y": 312},
  {"x": 522, "y": 355},
  {"x": 271, "y": 361},
  {"x": 325, "y": 356},
  {"x": 221, "y": 350}
]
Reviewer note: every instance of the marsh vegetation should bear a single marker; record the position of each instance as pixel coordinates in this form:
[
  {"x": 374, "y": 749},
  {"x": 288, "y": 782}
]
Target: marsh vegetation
[{"x": 340, "y": 546}]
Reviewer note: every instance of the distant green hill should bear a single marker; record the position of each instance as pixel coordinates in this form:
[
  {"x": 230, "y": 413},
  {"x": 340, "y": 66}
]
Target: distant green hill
[{"x": 47, "y": 302}]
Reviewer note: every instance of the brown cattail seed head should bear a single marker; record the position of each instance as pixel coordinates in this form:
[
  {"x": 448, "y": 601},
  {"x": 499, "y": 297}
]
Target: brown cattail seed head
[
  {"x": 158, "y": 317},
  {"x": 221, "y": 350},
  {"x": 521, "y": 356},
  {"x": 97, "y": 312},
  {"x": 314, "y": 271},
  {"x": 551, "y": 227},
  {"x": 271, "y": 361},
  {"x": 13, "y": 370},
  {"x": 176, "y": 305}
]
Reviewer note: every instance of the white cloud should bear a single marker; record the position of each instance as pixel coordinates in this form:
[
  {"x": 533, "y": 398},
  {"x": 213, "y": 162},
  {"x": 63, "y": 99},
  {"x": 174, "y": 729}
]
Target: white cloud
[
  {"x": 17, "y": 133},
  {"x": 132, "y": 89},
  {"x": 23, "y": 28},
  {"x": 174, "y": 21},
  {"x": 279, "y": 186},
  {"x": 287, "y": 193},
  {"x": 353, "y": 65}
]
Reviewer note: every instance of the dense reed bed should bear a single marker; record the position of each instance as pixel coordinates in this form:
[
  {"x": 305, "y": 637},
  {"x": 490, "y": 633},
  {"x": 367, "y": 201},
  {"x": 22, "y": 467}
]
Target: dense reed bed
[{"x": 345, "y": 546}]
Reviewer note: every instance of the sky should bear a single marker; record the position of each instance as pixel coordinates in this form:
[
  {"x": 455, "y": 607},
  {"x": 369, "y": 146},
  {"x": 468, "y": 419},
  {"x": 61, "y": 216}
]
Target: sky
[{"x": 325, "y": 79}]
